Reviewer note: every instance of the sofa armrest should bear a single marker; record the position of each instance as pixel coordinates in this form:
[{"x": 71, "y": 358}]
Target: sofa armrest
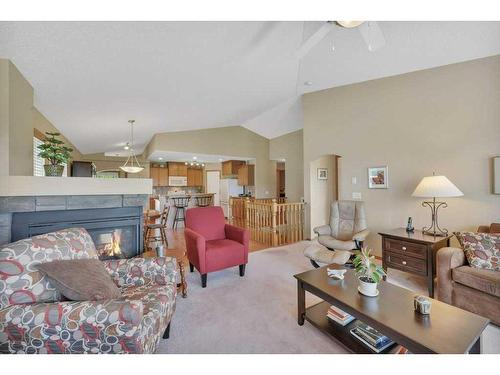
[
  {"x": 237, "y": 234},
  {"x": 196, "y": 247},
  {"x": 361, "y": 236},
  {"x": 107, "y": 326},
  {"x": 142, "y": 271},
  {"x": 323, "y": 230},
  {"x": 447, "y": 258}
]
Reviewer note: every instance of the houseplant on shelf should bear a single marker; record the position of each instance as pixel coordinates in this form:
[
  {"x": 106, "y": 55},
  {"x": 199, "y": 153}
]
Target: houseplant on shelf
[
  {"x": 369, "y": 273},
  {"x": 55, "y": 153}
]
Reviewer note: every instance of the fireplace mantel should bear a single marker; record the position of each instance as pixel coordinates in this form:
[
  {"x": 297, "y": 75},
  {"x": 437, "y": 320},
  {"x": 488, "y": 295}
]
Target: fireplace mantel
[{"x": 15, "y": 186}]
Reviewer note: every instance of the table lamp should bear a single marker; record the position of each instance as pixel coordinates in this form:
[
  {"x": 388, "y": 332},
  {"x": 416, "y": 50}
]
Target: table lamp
[{"x": 435, "y": 187}]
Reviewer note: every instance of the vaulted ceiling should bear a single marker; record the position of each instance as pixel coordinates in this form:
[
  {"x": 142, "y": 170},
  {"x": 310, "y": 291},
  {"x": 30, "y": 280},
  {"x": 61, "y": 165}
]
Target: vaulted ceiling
[{"x": 91, "y": 77}]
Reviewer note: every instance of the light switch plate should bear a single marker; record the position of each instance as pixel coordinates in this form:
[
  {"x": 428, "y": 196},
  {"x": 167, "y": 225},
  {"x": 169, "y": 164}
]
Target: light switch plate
[
  {"x": 356, "y": 195},
  {"x": 354, "y": 180}
]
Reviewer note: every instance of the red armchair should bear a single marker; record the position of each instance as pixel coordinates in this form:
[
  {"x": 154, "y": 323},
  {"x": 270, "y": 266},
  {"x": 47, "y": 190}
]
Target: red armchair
[{"x": 213, "y": 245}]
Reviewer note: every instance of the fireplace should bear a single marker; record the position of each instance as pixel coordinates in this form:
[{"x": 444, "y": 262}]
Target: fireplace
[{"x": 116, "y": 231}]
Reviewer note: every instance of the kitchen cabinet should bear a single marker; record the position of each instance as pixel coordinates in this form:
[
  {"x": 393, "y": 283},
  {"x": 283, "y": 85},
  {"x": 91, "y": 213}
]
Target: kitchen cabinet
[
  {"x": 177, "y": 169},
  {"x": 194, "y": 177},
  {"x": 246, "y": 175},
  {"x": 159, "y": 174},
  {"x": 230, "y": 168}
]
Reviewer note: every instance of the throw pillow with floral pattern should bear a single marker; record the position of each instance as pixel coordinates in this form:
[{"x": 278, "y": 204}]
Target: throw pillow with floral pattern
[{"x": 481, "y": 249}]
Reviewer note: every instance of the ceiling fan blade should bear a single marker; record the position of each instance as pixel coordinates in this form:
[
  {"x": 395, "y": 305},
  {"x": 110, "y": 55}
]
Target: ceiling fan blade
[
  {"x": 313, "y": 40},
  {"x": 372, "y": 35}
]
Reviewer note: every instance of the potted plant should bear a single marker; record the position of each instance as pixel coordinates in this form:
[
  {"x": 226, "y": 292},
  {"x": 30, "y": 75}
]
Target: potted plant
[
  {"x": 369, "y": 273},
  {"x": 55, "y": 153}
]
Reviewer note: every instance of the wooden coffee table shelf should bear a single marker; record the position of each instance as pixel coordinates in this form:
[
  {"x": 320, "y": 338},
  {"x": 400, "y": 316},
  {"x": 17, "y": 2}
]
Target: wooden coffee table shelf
[
  {"x": 447, "y": 329},
  {"x": 316, "y": 315}
]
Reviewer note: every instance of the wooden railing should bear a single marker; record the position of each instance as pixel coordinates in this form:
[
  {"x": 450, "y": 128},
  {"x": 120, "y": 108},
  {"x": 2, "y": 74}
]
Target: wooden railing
[{"x": 271, "y": 221}]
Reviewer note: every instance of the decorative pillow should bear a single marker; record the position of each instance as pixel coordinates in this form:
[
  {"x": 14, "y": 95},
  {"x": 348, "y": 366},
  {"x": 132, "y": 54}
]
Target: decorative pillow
[
  {"x": 481, "y": 249},
  {"x": 20, "y": 280},
  {"x": 81, "y": 279}
]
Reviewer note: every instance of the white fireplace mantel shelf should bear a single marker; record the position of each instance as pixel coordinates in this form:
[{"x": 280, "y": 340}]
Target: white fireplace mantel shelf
[{"x": 12, "y": 186}]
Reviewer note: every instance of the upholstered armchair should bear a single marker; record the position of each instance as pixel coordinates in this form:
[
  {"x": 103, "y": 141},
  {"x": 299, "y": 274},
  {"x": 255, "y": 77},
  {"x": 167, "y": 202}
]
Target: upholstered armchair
[
  {"x": 213, "y": 245},
  {"x": 346, "y": 230},
  {"x": 34, "y": 317}
]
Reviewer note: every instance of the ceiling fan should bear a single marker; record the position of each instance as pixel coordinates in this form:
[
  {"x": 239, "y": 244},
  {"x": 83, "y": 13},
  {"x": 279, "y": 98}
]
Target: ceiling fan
[{"x": 370, "y": 32}]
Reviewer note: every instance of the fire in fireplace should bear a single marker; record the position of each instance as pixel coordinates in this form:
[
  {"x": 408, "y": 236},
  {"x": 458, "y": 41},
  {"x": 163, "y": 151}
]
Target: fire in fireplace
[{"x": 108, "y": 244}]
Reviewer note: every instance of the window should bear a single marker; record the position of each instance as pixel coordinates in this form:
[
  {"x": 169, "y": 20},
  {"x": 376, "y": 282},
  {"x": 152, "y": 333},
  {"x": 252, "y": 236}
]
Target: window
[{"x": 38, "y": 162}]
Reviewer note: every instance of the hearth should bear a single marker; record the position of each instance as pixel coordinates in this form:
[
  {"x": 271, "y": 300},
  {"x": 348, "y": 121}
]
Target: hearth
[{"x": 116, "y": 231}]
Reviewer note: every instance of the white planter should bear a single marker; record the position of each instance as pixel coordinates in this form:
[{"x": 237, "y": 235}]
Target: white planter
[{"x": 368, "y": 289}]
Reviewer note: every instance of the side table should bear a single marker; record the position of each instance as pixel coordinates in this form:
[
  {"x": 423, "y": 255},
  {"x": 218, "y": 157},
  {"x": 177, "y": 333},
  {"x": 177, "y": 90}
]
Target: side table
[
  {"x": 414, "y": 253},
  {"x": 180, "y": 256}
]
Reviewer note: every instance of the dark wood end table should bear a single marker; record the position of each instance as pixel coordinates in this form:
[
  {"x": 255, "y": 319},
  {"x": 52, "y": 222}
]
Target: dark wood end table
[
  {"x": 413, "y": 252},
  {"x": 447, "y": 329}
]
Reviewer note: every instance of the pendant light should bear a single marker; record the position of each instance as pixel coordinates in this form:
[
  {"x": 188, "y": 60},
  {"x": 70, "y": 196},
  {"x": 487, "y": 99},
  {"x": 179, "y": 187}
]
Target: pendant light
[{"x": 132, "y": 164}]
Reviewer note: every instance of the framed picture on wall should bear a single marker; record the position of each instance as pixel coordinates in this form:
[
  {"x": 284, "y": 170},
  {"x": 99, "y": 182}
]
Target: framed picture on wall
[
  {"x": 378, "y": 177},
  {"x": 322, "y": 174}
]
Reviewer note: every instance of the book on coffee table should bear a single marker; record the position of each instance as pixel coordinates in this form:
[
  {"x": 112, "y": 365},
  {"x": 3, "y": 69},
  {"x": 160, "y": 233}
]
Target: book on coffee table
[
  {"x": 372, "y": 338},
  {"x": 339, "y": 316}
]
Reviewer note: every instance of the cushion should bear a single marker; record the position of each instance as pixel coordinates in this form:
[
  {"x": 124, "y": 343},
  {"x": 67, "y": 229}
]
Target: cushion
[
  {"x": 481, "y": 249},
  {"x": 332, "y": 243},
  {"x": 81, "y": 279},
  {"x": 321, "y": 254},
  {"x": 224, "y": 253},
  {"x": 486, "y": 281},
  {"x": 21, "y": 282},
  {"x": 207, "y": 221}
]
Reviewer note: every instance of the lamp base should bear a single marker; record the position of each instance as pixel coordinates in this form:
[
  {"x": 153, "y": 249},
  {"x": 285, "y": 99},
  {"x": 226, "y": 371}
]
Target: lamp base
[
  {"x": 434, "y": 229},
  {"x": 435, "y": 233}
]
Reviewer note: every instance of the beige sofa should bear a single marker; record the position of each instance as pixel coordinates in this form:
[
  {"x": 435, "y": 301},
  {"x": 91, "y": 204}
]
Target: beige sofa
[{"x": 472, "y": 289}]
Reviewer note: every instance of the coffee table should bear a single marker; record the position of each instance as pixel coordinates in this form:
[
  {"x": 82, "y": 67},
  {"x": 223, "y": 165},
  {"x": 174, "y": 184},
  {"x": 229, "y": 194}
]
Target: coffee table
[{"x": 447, "y": 329}]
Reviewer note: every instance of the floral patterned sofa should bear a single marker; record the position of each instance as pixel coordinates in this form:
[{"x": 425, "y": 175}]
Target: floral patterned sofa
[{"x": 35, "y": 319}]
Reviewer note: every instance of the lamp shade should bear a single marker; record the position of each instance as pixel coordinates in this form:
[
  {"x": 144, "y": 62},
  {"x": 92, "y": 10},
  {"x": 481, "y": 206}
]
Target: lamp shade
[{"x": 436, "y": 187}]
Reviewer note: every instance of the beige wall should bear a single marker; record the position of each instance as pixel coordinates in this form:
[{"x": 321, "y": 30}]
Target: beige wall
[
  {"x": 233, "y": 141},
  {"x": 4, "y": 117},
  {"x": 20, "y": 124},
  {"x": 322, "y": 193},
  {"x": 18, "y": 119},
  {"x": 290, "y": 148},
  {"x": 445, "y": 119}
]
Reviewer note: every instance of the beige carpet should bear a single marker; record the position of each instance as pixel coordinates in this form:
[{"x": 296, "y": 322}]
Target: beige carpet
[{"x": 257, "y": 313}]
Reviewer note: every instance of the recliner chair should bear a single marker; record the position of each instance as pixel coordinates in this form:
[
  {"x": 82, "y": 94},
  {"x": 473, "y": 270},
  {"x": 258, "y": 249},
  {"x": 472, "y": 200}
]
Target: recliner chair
[{"x": 346, "y": 231}]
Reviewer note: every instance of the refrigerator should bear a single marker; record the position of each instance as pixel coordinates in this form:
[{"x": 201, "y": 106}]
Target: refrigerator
[{"x": 228, "y": 188}]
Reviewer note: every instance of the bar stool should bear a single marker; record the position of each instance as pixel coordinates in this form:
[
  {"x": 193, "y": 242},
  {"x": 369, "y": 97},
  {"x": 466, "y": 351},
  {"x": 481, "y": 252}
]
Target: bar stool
[
  {"x": 180, "y": 204},
  {"x": 203, "y": 201},
  {"x": 150, "y": 230}
]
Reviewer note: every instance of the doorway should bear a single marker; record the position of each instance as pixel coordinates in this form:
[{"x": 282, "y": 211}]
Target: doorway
[
  {"x": 324, "y": 189},
  {"x": 280, "y": 180},
  {"x": 213, "y": 185}
]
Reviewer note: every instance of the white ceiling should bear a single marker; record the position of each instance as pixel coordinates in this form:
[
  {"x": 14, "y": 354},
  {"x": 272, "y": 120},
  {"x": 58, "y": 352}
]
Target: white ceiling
[{"x": 91, "y": 77}]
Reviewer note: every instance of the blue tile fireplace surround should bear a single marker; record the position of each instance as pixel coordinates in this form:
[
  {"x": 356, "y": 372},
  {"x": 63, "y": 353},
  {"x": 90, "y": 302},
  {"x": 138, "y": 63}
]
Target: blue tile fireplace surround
[{"x": 115, "y": 223}]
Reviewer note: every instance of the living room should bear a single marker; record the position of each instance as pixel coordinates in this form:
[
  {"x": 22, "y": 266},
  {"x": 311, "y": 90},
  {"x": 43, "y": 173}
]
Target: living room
[{"x": 250, "y": 187}]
